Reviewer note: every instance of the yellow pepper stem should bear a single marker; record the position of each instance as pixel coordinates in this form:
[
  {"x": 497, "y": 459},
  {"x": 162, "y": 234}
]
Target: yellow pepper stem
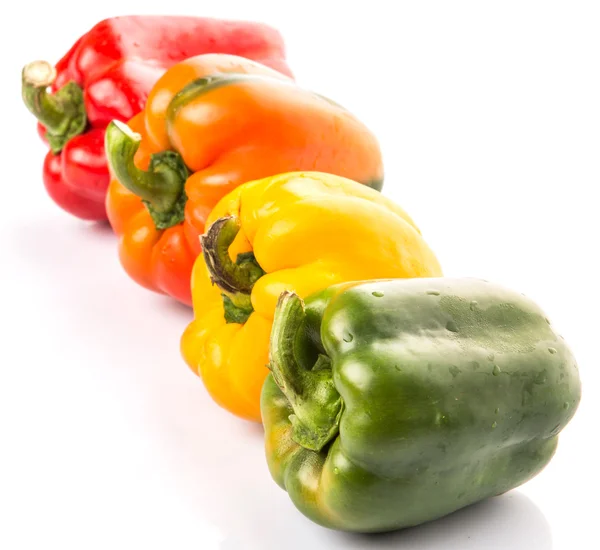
[{"x": 235, "y": 279}]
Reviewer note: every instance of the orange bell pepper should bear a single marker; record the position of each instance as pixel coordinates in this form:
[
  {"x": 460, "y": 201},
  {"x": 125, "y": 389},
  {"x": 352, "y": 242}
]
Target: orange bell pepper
[{"x": 212, "y": 123}]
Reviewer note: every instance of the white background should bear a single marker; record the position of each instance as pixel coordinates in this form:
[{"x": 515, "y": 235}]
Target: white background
[{"x": 489, "y": 118}]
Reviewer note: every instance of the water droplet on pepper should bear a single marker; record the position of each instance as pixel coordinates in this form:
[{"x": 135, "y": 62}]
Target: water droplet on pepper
[{"x": 451, "y": 326}]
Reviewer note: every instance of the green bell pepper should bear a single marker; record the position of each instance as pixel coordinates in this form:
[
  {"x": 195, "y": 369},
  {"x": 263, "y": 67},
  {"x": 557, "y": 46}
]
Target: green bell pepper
[{"x": 392, "y": 403}]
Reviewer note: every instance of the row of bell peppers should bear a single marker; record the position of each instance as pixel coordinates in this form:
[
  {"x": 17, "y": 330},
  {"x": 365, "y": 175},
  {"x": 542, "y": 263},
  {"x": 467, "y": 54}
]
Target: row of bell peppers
[{"x": 390, "y": 394}]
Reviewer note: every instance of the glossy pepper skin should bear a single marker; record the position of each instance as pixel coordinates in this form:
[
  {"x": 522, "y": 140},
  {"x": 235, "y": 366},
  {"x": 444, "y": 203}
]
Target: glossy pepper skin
[
  {"x": 107, "y": 74},
  {"x": 396, "y": 402},
  {"x": 221, "y": 121},
  {"x": 296, "y": 231}
]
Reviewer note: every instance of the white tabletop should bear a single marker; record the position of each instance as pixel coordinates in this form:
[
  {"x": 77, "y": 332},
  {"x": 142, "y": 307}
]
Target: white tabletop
[{"x": 489, "y": 119}]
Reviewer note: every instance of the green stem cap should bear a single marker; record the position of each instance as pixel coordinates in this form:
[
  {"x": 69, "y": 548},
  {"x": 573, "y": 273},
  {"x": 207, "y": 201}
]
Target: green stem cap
[
  {"x": 63, "y": 113},
  {"x": 161, "y": 187},
  {"x": 235, "y": 279},
  {"x": 312, "y": 394}
]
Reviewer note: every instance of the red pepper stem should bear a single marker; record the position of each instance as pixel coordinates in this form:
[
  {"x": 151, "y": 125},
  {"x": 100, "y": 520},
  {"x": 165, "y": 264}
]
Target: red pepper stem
[
  {"x": 161, "y": 187},
  {"x": 235, "y": 279},
  {"x": 63, "y": 113},
  {"x": 310, "y": 390}
]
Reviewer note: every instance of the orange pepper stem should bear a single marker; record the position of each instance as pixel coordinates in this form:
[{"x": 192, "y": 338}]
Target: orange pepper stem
[
  {"x": 309, "y": 388},
  {"x": 161, "y": 187},
  {"x": 63, "y": 113},
  {"x": 235, "y": 279}
]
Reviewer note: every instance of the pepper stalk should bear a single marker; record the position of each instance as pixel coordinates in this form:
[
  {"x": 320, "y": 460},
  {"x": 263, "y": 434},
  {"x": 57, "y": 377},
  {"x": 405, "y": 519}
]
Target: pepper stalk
[
  {"x": 235, "y": 279},
  {"x": 62, "y": 113},
  {"x": 161, "y": 187},
  {"x": 316, "y": 403}
]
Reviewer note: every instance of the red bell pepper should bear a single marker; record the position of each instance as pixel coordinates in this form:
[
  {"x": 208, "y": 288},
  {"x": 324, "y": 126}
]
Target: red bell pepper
[{"x": 106, "y": 75}]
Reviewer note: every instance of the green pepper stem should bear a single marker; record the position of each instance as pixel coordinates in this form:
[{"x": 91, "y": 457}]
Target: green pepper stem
[
  {"x": 316, "y": 403},
  {"x": 63, "y": 113},
  {"x": 161, "y": 187}
]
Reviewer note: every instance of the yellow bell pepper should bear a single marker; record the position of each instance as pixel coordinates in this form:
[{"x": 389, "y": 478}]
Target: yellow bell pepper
[{"x": 302, "y": 232}]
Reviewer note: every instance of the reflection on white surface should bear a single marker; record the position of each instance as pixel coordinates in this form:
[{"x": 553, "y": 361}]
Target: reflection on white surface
[{"x": 509, "y": 522}]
